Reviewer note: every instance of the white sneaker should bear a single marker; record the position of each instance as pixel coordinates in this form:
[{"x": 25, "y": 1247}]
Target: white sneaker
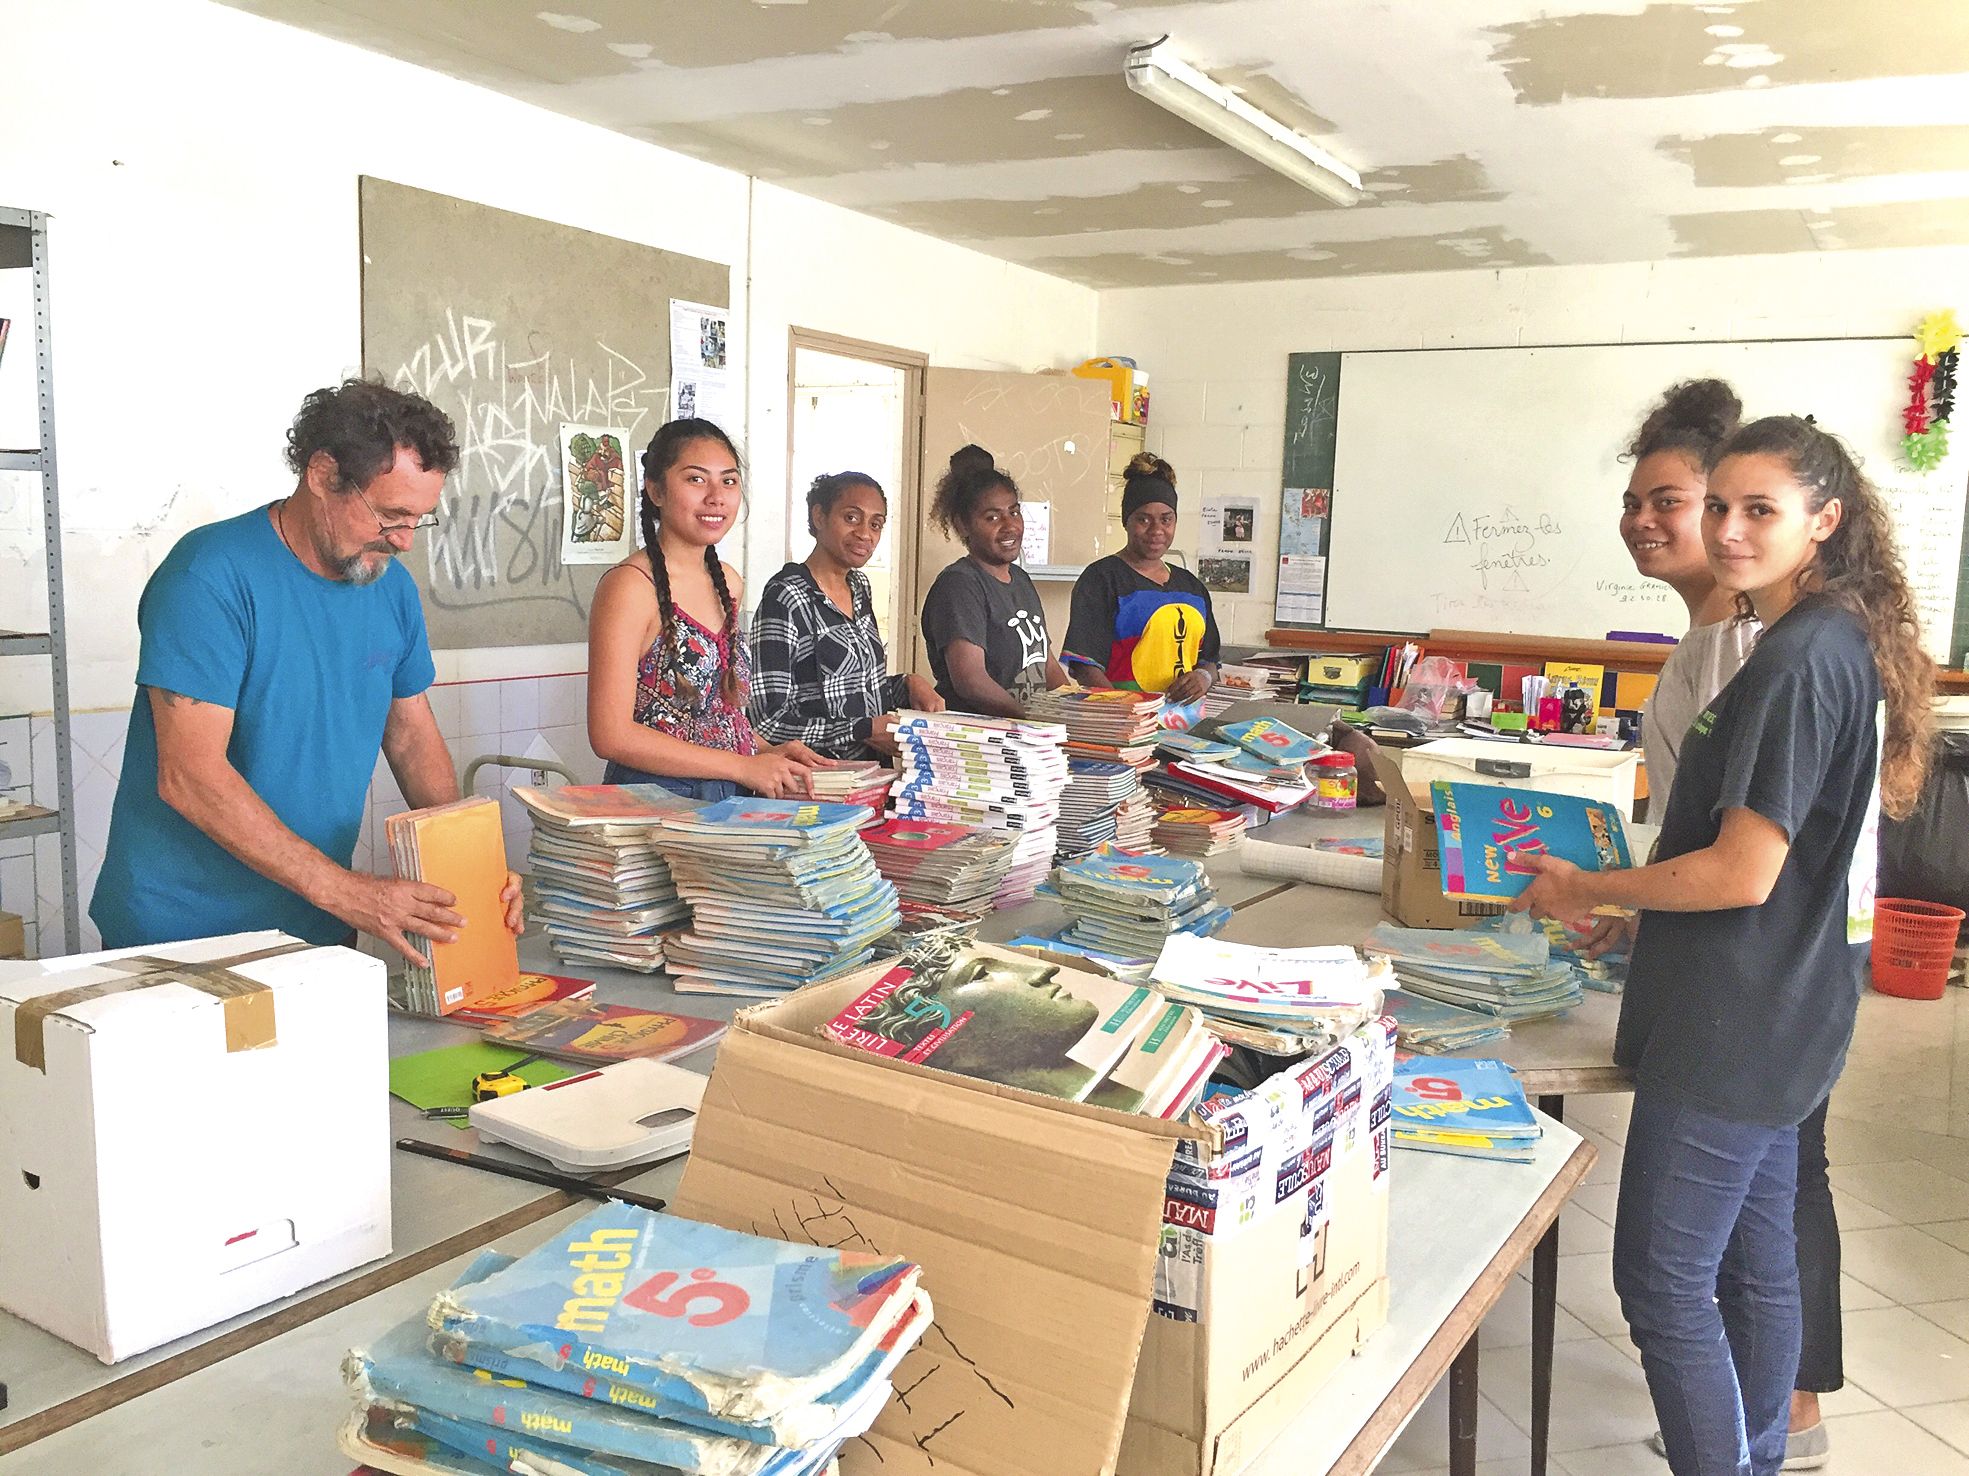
[{"x": 1804, "y": 1450}]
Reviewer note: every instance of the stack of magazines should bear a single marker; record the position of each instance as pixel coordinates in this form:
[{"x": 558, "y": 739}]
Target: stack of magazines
[
  {"x": 1036, "y": 1024},
  {"x": 1474, "y": 1109},
  {"x": 950, "y": 871},
  {"x": 579, "y": 1357},
  {"x": 1510, "y": 976},
  {"x": 782, "y": 893},
  {"x": 1435, "y": 1029},
  {"x": 1186, "y": 830},
  {"x": 1278, "y": 1001},
  {"x": 998, "y": 773},
  {"x": 1126, "y": 906},
  {"x": 601, "y": 889}
]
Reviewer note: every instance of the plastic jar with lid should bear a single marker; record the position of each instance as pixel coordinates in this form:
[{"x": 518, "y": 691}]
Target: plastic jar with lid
[{"x": 1336, "y": 782}]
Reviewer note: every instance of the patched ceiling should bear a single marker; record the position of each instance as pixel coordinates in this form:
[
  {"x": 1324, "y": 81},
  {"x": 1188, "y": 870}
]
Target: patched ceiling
[{"x": 1488, "y": 132}]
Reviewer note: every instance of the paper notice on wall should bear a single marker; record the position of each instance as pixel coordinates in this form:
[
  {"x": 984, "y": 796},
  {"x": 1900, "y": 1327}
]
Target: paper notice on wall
[
  {"x": 597, "y": 503},
  {"x": 1229, "y": 526},
  {"x": 1038, "y": 547},
  {"x": 1301, "y": 588},
  {"x": 700, "y": 364}
]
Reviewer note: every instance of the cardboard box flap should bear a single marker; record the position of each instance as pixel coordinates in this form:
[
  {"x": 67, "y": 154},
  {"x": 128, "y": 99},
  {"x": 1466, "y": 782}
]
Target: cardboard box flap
[
  {"x": 1037, "y": 1232},
  {"x": 246, "y": 1004}
]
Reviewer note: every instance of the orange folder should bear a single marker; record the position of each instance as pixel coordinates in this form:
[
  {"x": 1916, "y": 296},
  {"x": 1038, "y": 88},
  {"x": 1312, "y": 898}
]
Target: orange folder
[{"x": 462, "y": 848}]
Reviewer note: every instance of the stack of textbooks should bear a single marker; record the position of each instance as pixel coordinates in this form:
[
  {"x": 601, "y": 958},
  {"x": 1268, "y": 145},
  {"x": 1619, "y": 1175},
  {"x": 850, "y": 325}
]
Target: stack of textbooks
[
  {"x": 943, "y": 870},
  {"x": 1474, "y": 1109},
  {"x": 1035, "y": 1024},
  {"x": 1489, "y": 834},
  {"x": 1134, "y": 821},
  {"x": 1270, "y": 749},
  {"x": 782, "y": 893},
  {"x": 1103, "y": 723},
  {"x": 1569, "y": 941},
  {"x": 1090, "y": 805},
  {"x": 1126, "y": 906},
  {"x": 1185, "y": 830},
  {"x": 1510, "y": 976},
  {"x": 462, "y": 848},
  {"x": 601, "y": 889},
  {"x": 850, "y": 783},
  {"x": 1278, "y": 1001},
  {"x": 1171, "y": 745},
  {"x": 577, "y": 1357},
  {"x": 1436, "y": 1029},
  {"x": 999, "y": 773},
  {"x": 1234, "y": 780}
]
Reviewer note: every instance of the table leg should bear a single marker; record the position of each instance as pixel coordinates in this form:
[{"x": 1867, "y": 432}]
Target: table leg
[
  {"x": 1544, "y": 1310},
  {"x": 1463, "y": 1411}
]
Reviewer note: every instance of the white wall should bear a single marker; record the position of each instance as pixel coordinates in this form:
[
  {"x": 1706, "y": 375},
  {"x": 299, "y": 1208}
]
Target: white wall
[
  {"x": 1216, "y": 355},
  {"x": 201, "y": 166}
]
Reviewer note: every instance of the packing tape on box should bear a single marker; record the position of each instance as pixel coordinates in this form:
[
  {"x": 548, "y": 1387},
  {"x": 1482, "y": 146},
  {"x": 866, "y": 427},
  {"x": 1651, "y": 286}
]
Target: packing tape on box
[
  {"x": 248, "y": 1004},
  {"x": 1320, "y": 868}
]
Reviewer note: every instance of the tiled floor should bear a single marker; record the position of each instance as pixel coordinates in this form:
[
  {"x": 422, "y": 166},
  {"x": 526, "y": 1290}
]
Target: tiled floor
[{"x": 1899, "y": 1145}]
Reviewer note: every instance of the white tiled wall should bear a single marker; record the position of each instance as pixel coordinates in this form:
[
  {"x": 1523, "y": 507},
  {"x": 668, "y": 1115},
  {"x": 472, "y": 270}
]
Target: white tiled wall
[{"x": 528, "y": 717}]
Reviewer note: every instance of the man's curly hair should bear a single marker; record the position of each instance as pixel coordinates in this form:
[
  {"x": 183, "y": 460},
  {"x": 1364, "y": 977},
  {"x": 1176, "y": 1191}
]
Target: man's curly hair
[{"x": 361, "y": 422}]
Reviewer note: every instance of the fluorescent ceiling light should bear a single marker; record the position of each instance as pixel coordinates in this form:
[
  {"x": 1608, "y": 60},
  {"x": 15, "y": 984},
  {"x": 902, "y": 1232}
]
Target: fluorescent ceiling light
[{"x": 1164, "y": 78}]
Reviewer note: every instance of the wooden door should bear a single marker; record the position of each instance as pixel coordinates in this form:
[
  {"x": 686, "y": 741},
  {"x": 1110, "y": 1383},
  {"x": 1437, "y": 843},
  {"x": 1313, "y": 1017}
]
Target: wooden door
[{"x": 1050, "y": 434}]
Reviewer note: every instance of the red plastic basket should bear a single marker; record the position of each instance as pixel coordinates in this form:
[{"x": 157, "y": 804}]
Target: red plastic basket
[{"x": 1913, "y": 945}]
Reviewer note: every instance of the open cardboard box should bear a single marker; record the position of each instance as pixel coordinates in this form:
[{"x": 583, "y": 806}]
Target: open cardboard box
[
  {"x": 1412, "y": 858},
  {"x": 1042, "y": 1229}
]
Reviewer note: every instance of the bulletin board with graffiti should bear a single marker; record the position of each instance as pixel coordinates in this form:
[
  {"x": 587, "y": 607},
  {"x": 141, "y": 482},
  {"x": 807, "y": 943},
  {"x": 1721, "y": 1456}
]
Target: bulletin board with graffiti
[{"x": 550, "y": 349}]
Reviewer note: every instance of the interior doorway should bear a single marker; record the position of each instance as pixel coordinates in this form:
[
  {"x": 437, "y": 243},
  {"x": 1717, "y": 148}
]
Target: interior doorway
[{"x": 859, "y": 407}]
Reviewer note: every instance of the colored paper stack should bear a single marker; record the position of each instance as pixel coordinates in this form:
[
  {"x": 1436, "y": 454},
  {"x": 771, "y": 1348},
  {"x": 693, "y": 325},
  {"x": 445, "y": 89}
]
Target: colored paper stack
[
  {"x": 574, "y": 1358},
  {"x": 1474, "y": 1109},
  {"x": 1510, "y": 976},
  {"x": 782, "y": 893},
  {"x": 1279, "y": 1001},
  {"x": 1127, "y": 906},
  {"x": 601, "y": 888},
  {"x": 951, "y": 871},
  {"x": 997, "y": 773},
  {"x": 1186, "y": 831}
]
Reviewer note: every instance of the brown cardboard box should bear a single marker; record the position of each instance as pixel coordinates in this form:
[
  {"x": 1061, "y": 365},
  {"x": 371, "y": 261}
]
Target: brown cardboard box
[
  {"x": 1412, "y": 861},
  {"x": 1274, "y": 1263},
  {"x": 1040, "y": 1227},
  {"x": 13, "y": 936}
]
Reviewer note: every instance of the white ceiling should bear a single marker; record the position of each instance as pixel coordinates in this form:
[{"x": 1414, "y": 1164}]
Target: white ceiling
[{"x": 1490, "y": 132}]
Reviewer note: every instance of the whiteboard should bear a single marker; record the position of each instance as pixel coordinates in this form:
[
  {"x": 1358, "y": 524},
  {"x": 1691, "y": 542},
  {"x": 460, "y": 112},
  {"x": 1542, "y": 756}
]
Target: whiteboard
[{"x": 1479, "y": 489}]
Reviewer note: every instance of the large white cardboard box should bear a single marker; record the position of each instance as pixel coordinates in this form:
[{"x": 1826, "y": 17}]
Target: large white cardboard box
[{"x": 187, "y": 1132}]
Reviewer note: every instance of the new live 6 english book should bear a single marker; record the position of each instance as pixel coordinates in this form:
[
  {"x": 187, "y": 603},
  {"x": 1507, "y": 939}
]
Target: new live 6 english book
[{"x": 1489, "y": 835}]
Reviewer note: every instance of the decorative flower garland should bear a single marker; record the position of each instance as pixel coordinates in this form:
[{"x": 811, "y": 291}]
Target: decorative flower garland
[{"x": 1931, "y": 391}]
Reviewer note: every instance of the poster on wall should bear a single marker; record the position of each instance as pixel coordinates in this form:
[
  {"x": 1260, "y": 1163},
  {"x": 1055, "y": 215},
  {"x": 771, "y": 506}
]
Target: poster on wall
[
  {"x": 1229, "y": 537},
  {"x": 597, "y": 523},
  {"x": 700, "y": 362}
]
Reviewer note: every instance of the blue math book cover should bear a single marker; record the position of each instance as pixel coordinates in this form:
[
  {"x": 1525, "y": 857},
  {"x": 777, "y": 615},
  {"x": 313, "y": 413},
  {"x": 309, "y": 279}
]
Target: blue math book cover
[{"x": 1489, "y": 835}]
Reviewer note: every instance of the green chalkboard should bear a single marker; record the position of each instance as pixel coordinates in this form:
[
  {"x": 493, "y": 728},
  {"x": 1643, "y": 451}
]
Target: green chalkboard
[{"x": 1312, "y": 418}]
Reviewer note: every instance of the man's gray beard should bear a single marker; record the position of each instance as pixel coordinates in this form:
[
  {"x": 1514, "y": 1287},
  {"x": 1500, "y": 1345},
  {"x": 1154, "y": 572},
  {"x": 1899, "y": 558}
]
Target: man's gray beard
[{"x": 353, "y": 570}]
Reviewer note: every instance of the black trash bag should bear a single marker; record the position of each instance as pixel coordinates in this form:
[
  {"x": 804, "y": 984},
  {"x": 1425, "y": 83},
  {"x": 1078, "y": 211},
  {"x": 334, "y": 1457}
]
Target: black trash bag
[{"x": 1926, "y": 856}]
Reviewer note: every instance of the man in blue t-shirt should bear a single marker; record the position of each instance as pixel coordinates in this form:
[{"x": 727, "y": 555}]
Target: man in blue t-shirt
[{"x": 282, "y": 650}]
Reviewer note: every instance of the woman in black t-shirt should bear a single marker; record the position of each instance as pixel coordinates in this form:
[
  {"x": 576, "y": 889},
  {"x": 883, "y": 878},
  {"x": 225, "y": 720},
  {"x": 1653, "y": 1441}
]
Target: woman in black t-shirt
[
  {"x": 982, "y": 620},
  {"x": 1749, "y": 963},
  {"x": 1139, "y": 621}
]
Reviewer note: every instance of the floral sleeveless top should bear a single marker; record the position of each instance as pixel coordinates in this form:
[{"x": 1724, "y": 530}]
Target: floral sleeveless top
[{"x": 681, "y": 696}]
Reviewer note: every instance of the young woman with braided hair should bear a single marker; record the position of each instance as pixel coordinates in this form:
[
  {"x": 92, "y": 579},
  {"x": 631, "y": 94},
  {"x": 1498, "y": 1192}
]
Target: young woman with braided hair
[
  {"x": 668, "y": 667},
  {"x": 1755, "y": 913}
]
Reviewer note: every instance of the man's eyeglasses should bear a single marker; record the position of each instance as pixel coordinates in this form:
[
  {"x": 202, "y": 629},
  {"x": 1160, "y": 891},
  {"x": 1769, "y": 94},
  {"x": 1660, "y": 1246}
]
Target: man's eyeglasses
[{"x": 428, "y": 521}]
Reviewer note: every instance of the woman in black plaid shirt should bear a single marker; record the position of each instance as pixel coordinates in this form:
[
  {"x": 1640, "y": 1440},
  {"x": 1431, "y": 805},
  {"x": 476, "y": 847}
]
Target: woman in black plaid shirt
[{"x": 820, "y": 675}]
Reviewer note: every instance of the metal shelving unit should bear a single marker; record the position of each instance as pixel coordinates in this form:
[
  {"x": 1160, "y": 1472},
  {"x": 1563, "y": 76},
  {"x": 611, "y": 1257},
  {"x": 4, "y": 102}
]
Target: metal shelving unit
[{"x": 24, "y": 243}]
